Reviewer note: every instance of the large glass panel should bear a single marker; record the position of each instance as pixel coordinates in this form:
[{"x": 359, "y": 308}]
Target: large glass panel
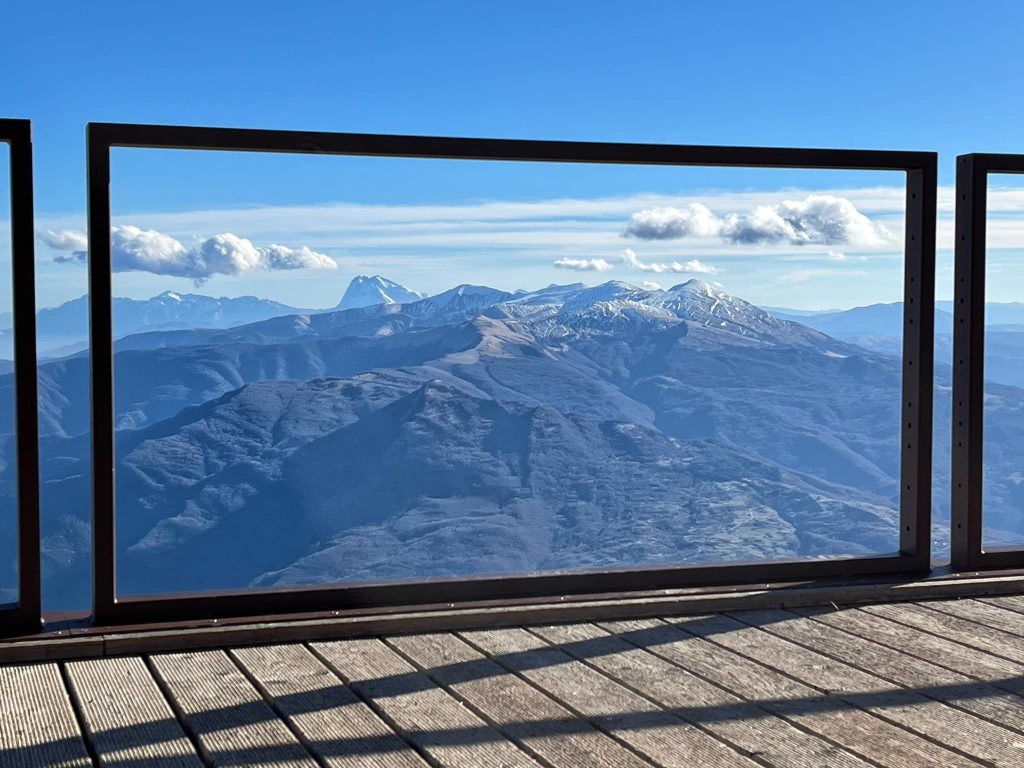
[
  {"x": 1003, "y": 449},
  {"x": 338, "y": 370},
  {"x": 8, "y": 455}
]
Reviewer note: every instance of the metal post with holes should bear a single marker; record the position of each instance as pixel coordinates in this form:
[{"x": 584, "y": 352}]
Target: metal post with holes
[
  {"x": 913, "y": 555},
  {"x": 25, "y": 615},
  {"x": 967, "y": 473}
]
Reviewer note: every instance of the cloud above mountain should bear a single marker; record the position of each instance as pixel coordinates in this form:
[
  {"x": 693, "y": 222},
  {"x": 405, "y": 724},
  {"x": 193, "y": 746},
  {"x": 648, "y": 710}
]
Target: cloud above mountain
[
  {"x": 584, "y": 265},
  {"x": 670, "y": 223},
  {"x": 65, "y": 240},
  {"x": 630, "y": 259},
  {"x": 146, "y": 250},
  {"x": 815, "y": 220}
]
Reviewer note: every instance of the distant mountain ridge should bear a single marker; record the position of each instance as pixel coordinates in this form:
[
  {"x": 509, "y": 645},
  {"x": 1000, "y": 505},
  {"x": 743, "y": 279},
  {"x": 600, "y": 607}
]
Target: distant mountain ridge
[
  {"x": 62, "y": 330},
  {"x": 554, "y": 307},
  {"x": 879, "y": 327},
  {"x": 887, "y": 319}
]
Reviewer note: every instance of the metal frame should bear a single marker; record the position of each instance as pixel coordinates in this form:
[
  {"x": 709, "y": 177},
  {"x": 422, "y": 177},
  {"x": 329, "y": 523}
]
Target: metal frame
[
  {"x": 967, "y": 476},
  {"x": 919, "y": 279},
  {"x": 25, "y": 615}
]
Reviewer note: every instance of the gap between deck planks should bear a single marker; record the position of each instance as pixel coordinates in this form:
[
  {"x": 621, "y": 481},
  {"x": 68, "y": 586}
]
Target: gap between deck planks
[
  {"x": 865, "y": 733},
  {"x": 595, "y": 736}
]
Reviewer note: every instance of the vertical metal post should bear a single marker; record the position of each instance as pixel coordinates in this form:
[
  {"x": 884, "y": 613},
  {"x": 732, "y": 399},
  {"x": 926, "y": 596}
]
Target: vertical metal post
[
  {"x": 968, "y": 363},
  {"x": 19, "y": 134},
  {"x": 918, "y": 361},
  {"x": 102, "y": 377}
]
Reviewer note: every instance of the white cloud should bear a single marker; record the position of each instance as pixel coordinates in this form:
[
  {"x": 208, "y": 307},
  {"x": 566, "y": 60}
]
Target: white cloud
[
  {"x": 815, "y": 220},
  {"x": 696, "y": 265},
  {"x": 584, "y": 265},
  {"x": 670, "y": 223},
  {"x": 630, "y": 259},
  {"x": 146, "y": 250},
  {"x": 75, "y": 243},
  {"x": 65, "y": 240},
  {"x": 650, "y": 285}
]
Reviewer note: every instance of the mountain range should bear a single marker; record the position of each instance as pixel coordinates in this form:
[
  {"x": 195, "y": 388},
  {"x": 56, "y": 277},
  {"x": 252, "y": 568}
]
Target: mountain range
[
  {"x": 481, "y": 431},
  {"x": 63, "y": 330},
  {"x": 878, "y": 327}
]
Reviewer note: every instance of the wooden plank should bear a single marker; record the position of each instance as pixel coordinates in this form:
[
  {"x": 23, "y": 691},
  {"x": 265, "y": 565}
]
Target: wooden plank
[
  {"x": 661, "y": 736},
  {"x": 981, "y": 613},
  {"x": 994, "y": 670},
  {"x": 333, "y": 723},
  {"x": 126, "y": 716},
  {"x": 930, "y": 680},
  {"x": 854, "y": 729},
  {"x": 1009, "y": 602},
  {"x": 37, "y": 723},
  {"x": 229, "y": 718},
  {"x": 938, "y": 722},
  {"x": 742, "y": 724},
  {"x": 988, "y": 639},
  {"x": 429, "y": 717},
  {"x": 513, "y": 706}
]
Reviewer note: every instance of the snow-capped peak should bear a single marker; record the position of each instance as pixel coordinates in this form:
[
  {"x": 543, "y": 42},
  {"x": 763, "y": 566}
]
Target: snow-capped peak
[
  {"x": 696, "y": 286},
  {"x": 610, "y": 291},
  {"x": 367, "y": 291}
]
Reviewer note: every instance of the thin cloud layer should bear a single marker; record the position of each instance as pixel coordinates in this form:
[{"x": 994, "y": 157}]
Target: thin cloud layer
[
  {"x": 815, "y": 220},
  {"x": 146, "y": 250},
  {"x": 584, "y": 265},
  {"x": 630, "y": 259}
]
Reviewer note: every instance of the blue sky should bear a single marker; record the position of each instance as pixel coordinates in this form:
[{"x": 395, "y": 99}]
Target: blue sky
[{"x": 911, "y": 75}]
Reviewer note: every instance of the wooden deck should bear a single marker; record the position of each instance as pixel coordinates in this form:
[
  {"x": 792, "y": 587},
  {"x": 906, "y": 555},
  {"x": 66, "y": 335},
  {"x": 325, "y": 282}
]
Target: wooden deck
[{"x": 926, "y": 684}]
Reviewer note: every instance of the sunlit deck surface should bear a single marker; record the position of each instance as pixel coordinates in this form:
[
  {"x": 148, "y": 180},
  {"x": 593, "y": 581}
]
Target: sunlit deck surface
[{"x": 935, "y": 683}]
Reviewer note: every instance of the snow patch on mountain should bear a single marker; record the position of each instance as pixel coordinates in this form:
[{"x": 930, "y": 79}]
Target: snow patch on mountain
[{"x": 366, "y": 291}]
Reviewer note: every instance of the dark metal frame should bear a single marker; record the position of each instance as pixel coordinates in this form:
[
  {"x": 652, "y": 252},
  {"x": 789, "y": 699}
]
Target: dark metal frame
[
  {"x": 967, "y": 476},
  {"x": 24, "y": 615},
  {"x": 915, "y": 502}
]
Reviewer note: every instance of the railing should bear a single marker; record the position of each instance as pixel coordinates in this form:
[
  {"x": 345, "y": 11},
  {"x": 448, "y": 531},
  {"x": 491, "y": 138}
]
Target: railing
[
  {"x": 967, "y": 491},
  {"x": 917, "y": 361},
  {"x": 25, "y": 614}
]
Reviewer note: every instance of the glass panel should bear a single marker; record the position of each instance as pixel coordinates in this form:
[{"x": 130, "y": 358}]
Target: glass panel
[
  {"x": 362, "y": 369},
  {"x": 1003, "y": 450},
  {"x": 65, "y": 490},
  {"x": 943, "y": 379},
  {"x": 8, "y": 456}
]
